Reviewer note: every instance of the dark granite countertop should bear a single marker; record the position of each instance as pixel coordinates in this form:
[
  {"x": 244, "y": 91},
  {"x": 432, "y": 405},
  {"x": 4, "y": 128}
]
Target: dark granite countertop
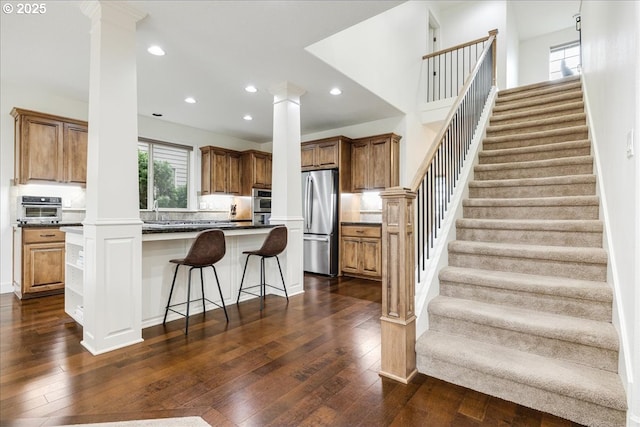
[
  {"x": 181, "y": 228},
  {"x": 60, "y": 224}
]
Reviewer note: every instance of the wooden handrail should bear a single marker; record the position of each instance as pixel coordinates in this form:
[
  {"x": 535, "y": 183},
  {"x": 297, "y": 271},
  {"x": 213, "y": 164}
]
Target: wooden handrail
[
  {"x": 439, "y": 138},
  {"x": 460, "y": 46}
]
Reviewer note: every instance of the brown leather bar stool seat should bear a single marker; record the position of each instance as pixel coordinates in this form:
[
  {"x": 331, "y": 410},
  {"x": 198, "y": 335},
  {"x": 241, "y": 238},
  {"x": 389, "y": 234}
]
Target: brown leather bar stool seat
[
  {"x": 273, "y": 245},
  {"x": 208, "y": 248}
]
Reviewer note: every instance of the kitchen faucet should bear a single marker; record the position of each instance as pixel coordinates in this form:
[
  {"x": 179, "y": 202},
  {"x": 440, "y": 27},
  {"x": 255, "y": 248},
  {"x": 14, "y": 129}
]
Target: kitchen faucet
[{"x": 155, "y": 208}]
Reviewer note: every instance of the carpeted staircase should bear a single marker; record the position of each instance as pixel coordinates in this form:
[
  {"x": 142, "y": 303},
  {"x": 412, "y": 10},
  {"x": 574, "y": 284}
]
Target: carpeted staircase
[{"x": 524, "y": 311}]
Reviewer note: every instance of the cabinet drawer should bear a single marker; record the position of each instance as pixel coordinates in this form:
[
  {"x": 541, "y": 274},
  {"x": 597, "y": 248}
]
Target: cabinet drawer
[
  {"x": 361, "y": 231},
  {"x": 42, "y": 235}
]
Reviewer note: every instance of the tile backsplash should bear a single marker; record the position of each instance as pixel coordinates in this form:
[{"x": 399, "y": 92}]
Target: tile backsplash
[{"x": 361, "y": 207}]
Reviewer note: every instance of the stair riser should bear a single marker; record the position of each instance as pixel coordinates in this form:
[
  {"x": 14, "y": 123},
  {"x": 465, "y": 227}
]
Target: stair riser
[
  {"x": 535, "y": 114},
  {"x": 535, "y": 344},
  {"x": 587, "y": 309},
  {"x": 535, "y": 172},
  {"x": 531, "y": 237},
  {"x": 523, "y": 105},
  {"x": 531, "y": 212},
  {"x": 577, "y": 410},
  {"x": 571, "y": 269},
  {"x": 502, "y": 192},
  {"x": 526, "y": 128},
  {"x": 486, "y": 157}
]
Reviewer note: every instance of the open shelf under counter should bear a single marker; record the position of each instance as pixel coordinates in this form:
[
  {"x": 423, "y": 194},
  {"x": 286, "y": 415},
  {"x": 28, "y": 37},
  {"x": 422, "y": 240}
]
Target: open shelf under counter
[{"x": 74, "y": 273}]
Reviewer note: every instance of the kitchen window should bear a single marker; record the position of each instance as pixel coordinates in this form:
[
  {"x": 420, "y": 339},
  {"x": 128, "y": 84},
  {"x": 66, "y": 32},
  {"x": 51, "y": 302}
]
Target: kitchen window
[{"x": 164, "y": 174}]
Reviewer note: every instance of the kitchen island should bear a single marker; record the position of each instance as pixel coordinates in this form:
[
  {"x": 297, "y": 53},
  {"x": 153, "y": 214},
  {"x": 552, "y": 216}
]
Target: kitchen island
[{"x": 163, "y": 241}]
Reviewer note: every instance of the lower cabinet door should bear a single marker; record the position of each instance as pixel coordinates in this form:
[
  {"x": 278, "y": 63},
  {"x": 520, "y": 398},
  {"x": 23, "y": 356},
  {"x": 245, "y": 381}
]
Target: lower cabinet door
[
  {"x": 371, "y": 257},
  {"x": 43, "y": 267},
  {"x": 350, "y": 251}
]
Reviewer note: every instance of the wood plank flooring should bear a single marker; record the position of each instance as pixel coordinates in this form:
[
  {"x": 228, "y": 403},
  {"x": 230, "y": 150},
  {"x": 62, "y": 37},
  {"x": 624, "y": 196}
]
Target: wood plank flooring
[{"x": 311, "y": 362}]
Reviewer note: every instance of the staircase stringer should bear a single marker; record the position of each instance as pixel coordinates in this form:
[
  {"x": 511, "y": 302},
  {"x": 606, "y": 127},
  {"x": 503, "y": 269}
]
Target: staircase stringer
[
  {"x": 625, "y": 368},
  {"x": 428, "y": 287}
]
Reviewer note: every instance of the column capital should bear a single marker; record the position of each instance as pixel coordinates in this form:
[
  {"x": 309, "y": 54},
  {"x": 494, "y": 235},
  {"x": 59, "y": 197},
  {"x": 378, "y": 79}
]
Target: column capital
[
  {"x": 286, "y": 91},
  {"x": 116, "y": 10}
]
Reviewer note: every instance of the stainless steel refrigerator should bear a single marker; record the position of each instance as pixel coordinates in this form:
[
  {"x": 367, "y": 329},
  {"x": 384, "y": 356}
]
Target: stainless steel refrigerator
[{"x": 320, "y": 212}]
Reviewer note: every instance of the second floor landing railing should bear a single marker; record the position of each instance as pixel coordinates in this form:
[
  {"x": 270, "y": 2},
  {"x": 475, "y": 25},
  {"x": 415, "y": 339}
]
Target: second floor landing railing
[{"x": 447, "y": 70}]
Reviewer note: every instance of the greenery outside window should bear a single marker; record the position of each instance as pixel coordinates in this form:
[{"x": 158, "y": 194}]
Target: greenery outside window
[{"x": 163, "y": 174}]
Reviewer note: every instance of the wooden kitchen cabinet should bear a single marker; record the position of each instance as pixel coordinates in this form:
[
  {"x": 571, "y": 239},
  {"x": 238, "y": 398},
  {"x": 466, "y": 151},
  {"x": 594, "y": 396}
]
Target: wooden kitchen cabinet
[
  {"x": 375, "y": 162},
  {"x": 220, "y": 171},
  {"x": 361, "y": 251},
  {"x": 329, "y": 153},
  {"x": 40, "y": 262},
  {"x": 49, "y": 148},
  {"x": 256, "y": 171}
]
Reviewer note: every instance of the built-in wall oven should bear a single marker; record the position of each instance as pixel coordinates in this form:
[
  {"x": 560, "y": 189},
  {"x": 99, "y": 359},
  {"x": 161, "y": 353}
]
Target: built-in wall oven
[
  {"x": 261, "y": 206},
  {"x": 39, "y": 210}
]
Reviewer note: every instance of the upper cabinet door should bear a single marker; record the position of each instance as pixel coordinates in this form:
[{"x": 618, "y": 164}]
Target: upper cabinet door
[
  {"x": 380, "y": 164},
  {"x": 219, "y": 171},
  {"x": 75, "y": 153},
  {"x": 41, "y": 149},
  {"x": 359, "y": 165},
  {"x": 233, "y": 173}
]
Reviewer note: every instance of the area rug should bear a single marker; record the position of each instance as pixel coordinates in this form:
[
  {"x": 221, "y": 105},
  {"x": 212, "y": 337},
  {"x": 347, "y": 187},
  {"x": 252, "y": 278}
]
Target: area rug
[{"x": 158, "y": 422}]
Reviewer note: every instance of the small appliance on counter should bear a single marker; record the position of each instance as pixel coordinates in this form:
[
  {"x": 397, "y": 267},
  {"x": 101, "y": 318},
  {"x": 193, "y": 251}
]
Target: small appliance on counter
[
  {"x": 320, "y": 212},
  {"x": 261, "y": 206},
  {"x": 39, "y": 210}
]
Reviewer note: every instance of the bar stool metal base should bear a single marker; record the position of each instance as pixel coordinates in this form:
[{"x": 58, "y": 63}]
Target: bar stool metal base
[
  {"x": 188, "y": 301},
  {"x": 263, "y": 285}
]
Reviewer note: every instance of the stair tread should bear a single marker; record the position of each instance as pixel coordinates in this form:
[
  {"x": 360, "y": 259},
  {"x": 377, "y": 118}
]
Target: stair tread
[
  {"x": 592, "y": 225},
  {"x": 534, "y": 201},
  {"x": 530, "y": 115},
  {"x": 547, "y": 285},
  {"x": 537, "y": 122},
  {"x": 550, "y": 180},
  {"x": 569, "y": 130},
  {"x": 563, "y": 82},
  {"x": 515, "y": 250},
  {"x": 564, "y": 161},
  {"x": 558, "y": 376},
  {"x": 513, "y": 104},
  {"x": 592, "y": 333}
]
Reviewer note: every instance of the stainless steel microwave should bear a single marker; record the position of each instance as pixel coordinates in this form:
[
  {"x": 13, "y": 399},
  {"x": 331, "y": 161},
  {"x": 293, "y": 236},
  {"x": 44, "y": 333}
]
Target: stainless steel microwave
[{"x": 39, "y": 210}]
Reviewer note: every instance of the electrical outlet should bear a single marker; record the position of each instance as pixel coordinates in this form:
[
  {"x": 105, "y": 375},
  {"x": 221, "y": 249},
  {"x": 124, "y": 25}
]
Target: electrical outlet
[{"x": 630, "y": 144}]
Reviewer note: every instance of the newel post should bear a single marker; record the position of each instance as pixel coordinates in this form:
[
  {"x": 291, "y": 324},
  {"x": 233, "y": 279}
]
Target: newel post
[{"x": 398, "y": 321}]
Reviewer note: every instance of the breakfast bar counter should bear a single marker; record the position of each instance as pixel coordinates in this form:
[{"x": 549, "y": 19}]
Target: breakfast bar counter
[{"x": 164, "y": 242}]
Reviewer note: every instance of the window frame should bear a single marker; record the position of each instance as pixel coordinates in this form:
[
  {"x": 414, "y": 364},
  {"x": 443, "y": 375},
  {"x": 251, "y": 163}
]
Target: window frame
[
  {"x": 190, "y": 182},
  {"x": 564, "y": 47}
]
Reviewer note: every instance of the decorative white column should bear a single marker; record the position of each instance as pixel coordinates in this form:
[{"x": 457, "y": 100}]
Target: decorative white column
[
  {"x": 286, "y": 196},
  {"x": 112, "y": 226}
]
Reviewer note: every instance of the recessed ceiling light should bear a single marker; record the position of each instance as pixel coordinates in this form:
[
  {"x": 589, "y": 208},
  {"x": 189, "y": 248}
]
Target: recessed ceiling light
[
  {"x": 156, "y": 50},
  {"x": 335, "y": 91},
  {"x": 190, "y": 100},
  {"x": 251, "y": 89},
  {"x": 248, "y": 117}
]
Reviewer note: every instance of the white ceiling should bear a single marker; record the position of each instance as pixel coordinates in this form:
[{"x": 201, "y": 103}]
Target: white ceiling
[{"x": 214, "y": 49}]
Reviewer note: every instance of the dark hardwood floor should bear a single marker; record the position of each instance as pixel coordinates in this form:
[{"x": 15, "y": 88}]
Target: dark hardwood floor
[{"x": 312, "y": 362}]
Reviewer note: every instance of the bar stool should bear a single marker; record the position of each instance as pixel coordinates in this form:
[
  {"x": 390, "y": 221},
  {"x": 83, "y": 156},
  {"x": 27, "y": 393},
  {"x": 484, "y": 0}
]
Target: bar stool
[
  {"x": 273, "y": 245},
  {"x": 208, "y": 248}
]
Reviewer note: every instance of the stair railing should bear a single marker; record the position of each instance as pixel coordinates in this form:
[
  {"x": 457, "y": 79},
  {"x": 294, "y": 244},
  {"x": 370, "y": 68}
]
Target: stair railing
[
  {"x": 411, "y": 217},
  {"x": 448, "y": 69}
]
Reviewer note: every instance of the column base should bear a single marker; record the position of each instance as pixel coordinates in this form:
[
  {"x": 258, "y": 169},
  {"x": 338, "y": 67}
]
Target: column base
[{"x": 398, "y": 359}]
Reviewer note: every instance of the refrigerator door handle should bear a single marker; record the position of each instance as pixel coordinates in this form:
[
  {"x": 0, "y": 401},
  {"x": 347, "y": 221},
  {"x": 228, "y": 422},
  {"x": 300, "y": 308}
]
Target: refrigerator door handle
[
  {"x": 317, "y": 239},
  {"x": 310, "y": 203}
]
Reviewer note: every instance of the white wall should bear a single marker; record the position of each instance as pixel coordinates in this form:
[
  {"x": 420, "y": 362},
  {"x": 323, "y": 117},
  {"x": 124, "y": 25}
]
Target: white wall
[
  {"x": 513, "y": 48},
  {"x": 611, "y": 69},
  {"x": 474, "y": 19},
  {"x": 37, "y": 99},
  {"x": 383, "y": 49},
  {"x": 534, "y": 54}
]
